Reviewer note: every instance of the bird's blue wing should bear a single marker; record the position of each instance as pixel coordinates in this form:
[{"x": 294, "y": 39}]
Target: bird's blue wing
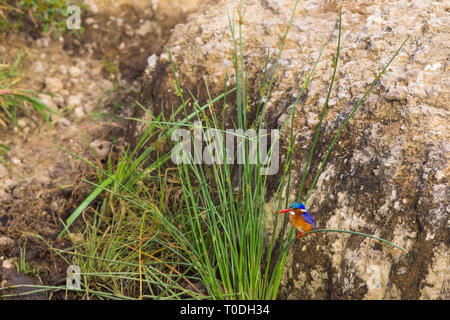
[{"x": 308, "y": 218}]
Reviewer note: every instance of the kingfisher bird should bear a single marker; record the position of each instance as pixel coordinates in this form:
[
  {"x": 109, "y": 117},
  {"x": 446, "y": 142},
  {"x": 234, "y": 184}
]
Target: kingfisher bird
[{"x": 301, "y": 219}]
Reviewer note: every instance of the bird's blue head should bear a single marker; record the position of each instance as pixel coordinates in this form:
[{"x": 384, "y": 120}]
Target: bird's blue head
[{"x": 297, "y": 205}]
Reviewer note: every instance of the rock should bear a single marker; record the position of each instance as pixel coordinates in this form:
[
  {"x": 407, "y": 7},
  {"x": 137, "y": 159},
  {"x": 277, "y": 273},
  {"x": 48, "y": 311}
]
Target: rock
[
  {"x": 145, "y": 28},
  {"x": 54, "y": 85},
  {"x": 9, "y": 183},
  {"x": 152, "y": 60},
  {"x": 9, "y": 263},
  {"x": 62, "y": 69},
  {"x": 47, "y": 100},
  {"x": 76, "y": 237},
  {"x": 42, "y": 42},
  {"x": 79, "y": 112},
  {"x": 101, "y": 148},
  {"x": 90, "y": 21},
  {"x": 397, "y": 93},
  {"x": 16, "y": 161},
  {"x": 75, "y": 101},
  {"x": 3, "y": 171},
  {"x": 74, "y": 71},
  {"x": 5, "y": 241},
  {"x": 386, "y": 175}
]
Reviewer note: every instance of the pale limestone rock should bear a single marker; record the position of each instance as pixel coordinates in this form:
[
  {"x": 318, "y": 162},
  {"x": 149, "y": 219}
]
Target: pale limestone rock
[{"x": 387, "y": 176}]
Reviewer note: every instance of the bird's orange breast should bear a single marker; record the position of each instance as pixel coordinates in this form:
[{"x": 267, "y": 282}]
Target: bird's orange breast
[{"x": 299, "y": 223}]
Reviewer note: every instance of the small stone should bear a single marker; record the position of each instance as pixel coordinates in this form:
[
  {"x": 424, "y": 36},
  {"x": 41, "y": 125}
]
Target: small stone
[
  {"x": 16, "y": 161},
  {"x": 76, "y": 237},
  {"x": 164, "y": 57},
  {"x": 42, "y": 42},
  {"x": 397, "y": 93},
  {"x": 78, "y": 112},
  {"x": 5, "y": 241},
  {"x": 101, "y": 148},
  {"x": 9, "y": 183},
  {"x": 145, "y": 28},
  {"x": 47, "y": 100},
  {"x": 440, "y": 175},
  {"x": 9, "y": 263},
  {"x": 53, "y": 85},
  {"x": 401, "y": 270},
  {"x": 74, "y": 71},
  {"x": 90, "y": 21},
  {"x": 75, "y": 101},
  {"x": 152, "y": 60},
  {"x": 23, "y": 122},
  {"x": 62, "y": 69}
]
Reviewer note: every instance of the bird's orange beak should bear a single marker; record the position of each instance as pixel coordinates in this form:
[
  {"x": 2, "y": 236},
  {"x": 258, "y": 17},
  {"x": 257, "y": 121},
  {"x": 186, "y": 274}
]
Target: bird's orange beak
[{"x": 285, "y": 211}]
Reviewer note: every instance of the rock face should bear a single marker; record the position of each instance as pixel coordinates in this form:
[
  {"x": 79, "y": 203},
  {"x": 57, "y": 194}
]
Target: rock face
[{"x": 388, "y": 175}]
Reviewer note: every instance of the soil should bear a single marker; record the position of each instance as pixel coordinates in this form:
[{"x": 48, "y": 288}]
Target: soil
[{"x": 94, "y": 80}]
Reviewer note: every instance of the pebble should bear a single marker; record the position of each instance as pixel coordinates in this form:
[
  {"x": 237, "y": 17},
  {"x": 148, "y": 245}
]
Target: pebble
[
  {"x": 48, "y": 100},
  {"x": 401, "y": 270},
  {"x": 76, "y": 237},
  {"x": 440, "y": 175},
  {"x": 398, "y": 93},
  {"x": 62, "y": 69},
  {"x": 9, "y": 263},
  {"x": 53, "y": 85},
  {"x": 9, "y": 183},
  {"x": 78, "y": 112},
  {"x": 63, "y": 122},
  {"x": 75, "y": 101},
  {"x": 5, "y": 241},
  {"x": 101, "y": 148},
  {"x": 152, "y": 60},
  {"x": 144, "y": 28},
  {"x": 43, "y": 42},
  {"x": 90, "y": 21},
  {"x": 16, "y": 161},
  {"x": 74, "y": 71}
]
